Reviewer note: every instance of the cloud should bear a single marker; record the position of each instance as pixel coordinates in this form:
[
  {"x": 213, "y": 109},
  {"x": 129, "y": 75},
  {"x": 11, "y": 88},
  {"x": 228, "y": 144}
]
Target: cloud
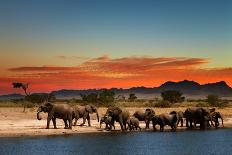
[{"x": 105, "y": 72}]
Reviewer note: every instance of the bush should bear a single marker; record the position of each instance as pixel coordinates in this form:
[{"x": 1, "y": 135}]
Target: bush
[
  {"x": 132, "y": 97},
  {"x": 89, "y": 98},
  {"x": 172, "y": 96},
  {"x": 213, "y": 100},
  {"x": 106, "y": 97}
]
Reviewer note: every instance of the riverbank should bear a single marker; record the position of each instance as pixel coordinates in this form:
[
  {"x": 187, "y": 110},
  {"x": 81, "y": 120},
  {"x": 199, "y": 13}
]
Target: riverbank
[{"x": 15, "y": 123}]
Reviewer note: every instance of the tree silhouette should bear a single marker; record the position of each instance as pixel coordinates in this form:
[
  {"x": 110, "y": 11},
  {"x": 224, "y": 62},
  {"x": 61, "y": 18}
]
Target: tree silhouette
[{"x": 24, "y": 86}]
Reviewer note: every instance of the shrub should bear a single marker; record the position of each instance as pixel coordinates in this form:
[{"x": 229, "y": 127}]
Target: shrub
[
  {"x": 172, "y": 96},
  {"x": 213, "y": 100},
  {"x": 132, "y": 97}
]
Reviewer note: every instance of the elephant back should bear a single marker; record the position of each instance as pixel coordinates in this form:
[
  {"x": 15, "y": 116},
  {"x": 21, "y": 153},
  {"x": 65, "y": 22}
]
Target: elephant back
[{"x": 139, "y": 115}]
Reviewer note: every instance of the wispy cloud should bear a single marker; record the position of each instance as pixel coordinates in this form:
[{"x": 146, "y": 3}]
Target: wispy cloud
[{"x": 118, "y": 72}]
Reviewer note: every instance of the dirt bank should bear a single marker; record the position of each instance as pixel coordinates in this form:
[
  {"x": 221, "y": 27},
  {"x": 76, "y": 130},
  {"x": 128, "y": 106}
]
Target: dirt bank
[{"x": 15, "y": 122}]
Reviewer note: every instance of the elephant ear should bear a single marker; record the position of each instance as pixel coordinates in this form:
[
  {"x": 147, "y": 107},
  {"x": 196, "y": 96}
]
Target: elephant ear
[
  {"x": 89, "y": 109},
  {"x": 48, "y": 106}
]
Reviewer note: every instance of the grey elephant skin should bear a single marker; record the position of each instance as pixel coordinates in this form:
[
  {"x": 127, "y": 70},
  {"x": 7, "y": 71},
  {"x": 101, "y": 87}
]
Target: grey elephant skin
[
  {"x": 133, "y": 124},
  {"x": 180, "y": 117},
  {"x": 145, "y": 116},
  {"x": 61, "y": 111},
  {"x": 163, "y": 120},
  {"x": 118, "y": 115},
  {"x": 108, "y": 121},
  {"x": 215, "y": 118},
  {"x": 83, "y": 112},
  {"x": 198, "y": 116}
]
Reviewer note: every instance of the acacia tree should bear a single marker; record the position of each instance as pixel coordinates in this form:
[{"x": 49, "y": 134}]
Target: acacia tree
[{"x": 24, "y": 86}]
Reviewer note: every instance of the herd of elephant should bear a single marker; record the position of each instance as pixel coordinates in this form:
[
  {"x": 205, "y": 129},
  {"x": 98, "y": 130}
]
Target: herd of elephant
[{"x": 204, "y": 117}]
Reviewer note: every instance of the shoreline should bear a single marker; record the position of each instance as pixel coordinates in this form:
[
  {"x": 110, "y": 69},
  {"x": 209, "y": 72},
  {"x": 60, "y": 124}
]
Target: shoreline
[{"x": 15, "y": 123}]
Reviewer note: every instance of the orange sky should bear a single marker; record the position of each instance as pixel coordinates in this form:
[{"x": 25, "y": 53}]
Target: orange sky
[{"x": 105, "y": 72}]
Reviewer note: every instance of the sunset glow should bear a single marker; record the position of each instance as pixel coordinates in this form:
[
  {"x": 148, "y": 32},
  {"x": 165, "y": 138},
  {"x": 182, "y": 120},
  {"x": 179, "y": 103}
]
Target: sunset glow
[{"x": 77, "y": 45}]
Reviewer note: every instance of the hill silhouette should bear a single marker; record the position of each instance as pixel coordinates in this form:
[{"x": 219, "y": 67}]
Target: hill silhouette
[{"x": 189, "y": 88}]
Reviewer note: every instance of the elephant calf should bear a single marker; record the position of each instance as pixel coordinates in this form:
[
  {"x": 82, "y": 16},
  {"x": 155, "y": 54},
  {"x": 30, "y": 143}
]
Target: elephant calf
[
  {"x": 180, "y": 117},
  {"x": 145, "y": 116},
  {"x": 215, "y": 118},
  {"x": 108, "y": 121},
  {"x": 133, "y": 124},
  {"x": 83, "y": 112},
  {"x": 165, "y": 119}
]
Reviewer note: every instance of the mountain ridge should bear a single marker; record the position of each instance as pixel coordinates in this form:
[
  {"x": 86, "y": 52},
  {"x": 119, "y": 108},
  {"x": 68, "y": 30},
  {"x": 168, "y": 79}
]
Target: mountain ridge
[{"x": 187, "y": 87}]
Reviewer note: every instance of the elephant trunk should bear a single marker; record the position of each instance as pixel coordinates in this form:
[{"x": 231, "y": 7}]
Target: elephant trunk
[
  {"x": 97, "y": 115},
  {"x": 38, "y": 115}
]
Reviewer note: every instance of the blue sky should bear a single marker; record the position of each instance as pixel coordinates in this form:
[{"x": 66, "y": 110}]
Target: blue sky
[{"x": 35, "y": 33}]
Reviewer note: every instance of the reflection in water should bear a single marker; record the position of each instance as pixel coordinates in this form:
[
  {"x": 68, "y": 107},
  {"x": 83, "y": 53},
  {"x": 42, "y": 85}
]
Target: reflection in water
[{"x": 174, "y": 143}]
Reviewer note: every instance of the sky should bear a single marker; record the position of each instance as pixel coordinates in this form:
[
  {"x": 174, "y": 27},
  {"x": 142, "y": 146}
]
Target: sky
[{"x": 81, "y": 44}]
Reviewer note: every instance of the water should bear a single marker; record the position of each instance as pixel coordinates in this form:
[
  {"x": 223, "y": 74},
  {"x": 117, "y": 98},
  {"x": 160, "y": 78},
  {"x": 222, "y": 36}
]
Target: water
[{"x": 212, "y": 142}]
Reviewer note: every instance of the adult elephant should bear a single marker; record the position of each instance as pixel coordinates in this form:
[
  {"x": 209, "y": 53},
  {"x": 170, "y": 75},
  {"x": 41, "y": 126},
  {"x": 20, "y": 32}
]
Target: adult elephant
[
  {"x": 118, "y": 115},
  {"x": 61, "y": 111},
  {"x": 180, "y": 117},
  {"x": 163, "y": 120},
  {"x": 198, "y": 115},
  {"x": 145, "y": 116},
  {"x": 83, "y": 112}
]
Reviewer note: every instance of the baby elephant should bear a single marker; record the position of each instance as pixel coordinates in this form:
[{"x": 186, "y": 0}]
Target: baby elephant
[
  {"x": 133, "y": 124},
  {"x": 165, "y": 119},
  {"x": 180, "y": 117},
  {"x": 108, "y": 121}
]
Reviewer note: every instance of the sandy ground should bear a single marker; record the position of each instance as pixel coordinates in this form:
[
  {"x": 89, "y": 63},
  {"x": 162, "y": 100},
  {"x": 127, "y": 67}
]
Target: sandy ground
[{"x": 14, "y": 122}]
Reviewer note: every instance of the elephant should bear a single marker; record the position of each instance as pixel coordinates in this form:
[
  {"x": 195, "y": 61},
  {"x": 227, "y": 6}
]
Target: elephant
[
  {"x": 215, "y": 117},
  {"x": 146, "y": 116},
  {"x": 118, "y": 115},
  {"x": 133, "y": 123},
  {"x": 108, "y": 121},
  {"x": 180, "y": 117},
  {"x": 83, "y": 112},
  {"x": 62, "y": 111},
  {"x": 198, "y": 115},
  {"x": 165, "y": 119}
]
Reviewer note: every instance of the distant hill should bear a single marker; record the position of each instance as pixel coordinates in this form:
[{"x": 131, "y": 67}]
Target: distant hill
[
  {"x": 11, "y": 96},
  {"x": 188, "y": 88}
]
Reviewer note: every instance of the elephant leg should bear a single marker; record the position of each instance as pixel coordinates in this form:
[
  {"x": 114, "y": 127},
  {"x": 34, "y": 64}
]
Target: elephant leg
[
  {"x": 187, "y": 122},
  {"x": 76, "y": 119},
  {"x": 54, "y": 122},
  {"x": 88, "y": 118},
  {"x": 70, "y": 121},
  {"x": 178, "y": 121},
  {"x": 48, "y": 121},
  {"x": 65, "y": 123},
  {"x": 161, "y": 128},
  {"x": 182, "y": 122},
  {"x": 124, "y": 125},
  {"x": 147, "y": 124},
  {"x": 84, "y": 119},
  {"x": 154, "y": 128}
]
